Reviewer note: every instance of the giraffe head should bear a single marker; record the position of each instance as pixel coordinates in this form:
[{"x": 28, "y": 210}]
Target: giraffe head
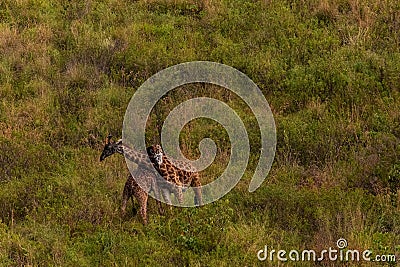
[
  {"x": 155, "y": 154},
  {"x": 111, "y": 148}
]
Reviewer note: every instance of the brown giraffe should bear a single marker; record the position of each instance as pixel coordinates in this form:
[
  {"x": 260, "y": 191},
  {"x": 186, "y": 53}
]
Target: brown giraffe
[
  {"x": 177, "y": 172},
  {"x": 132, "y": 189},
  {"x": 145, "y": 173}
]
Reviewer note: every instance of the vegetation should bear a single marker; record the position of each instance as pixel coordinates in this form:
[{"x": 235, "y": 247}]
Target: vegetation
[{"x": 330, "y": 70}]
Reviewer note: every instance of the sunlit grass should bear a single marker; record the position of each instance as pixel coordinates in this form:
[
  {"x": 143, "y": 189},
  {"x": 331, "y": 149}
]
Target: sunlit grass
[{"x": 329, "y": 69}]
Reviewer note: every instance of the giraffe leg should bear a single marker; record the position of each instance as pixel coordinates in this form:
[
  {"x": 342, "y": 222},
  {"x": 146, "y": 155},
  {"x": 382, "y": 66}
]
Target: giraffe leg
[
  {"x": 198, "y": 200},
  {"x": 134, "y": 209},
  {"x": 167, "y": 196},
  {"x": 141, "y": 197},
  {"x": 143, "y": 211},
  {"x": 196, "y": 184},
  {"x": 125, "y": 196},
  {"x": 156, "y": 190},
  {"x": 179, "y": 194},
  {"x": 160, "y": 207}
]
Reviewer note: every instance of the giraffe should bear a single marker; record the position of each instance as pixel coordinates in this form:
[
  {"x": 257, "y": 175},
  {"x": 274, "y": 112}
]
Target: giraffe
[
  {"x": 132, "y": 189},
  {"x": 140, "y": 159},
  {"x": 175, "y": 171}
]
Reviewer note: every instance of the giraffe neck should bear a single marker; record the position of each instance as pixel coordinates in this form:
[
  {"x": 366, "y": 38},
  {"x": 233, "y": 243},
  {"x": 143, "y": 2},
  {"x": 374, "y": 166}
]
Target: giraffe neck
[{"x": 140, "y": 159}]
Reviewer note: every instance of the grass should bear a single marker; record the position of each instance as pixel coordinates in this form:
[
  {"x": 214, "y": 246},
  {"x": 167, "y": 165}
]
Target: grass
[{"x": 329, "y": 70}]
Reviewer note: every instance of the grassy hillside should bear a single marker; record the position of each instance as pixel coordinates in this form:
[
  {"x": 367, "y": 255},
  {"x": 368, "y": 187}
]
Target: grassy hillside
[{"x": 330, "y": 70}]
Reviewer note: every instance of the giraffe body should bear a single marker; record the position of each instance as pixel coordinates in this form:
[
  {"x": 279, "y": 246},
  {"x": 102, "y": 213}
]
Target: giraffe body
[{"x": 176, "y": 172}]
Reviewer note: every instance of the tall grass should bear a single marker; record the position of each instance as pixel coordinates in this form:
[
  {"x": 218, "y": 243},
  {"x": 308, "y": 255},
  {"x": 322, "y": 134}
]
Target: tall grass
[{"x": 329, "y": 69}]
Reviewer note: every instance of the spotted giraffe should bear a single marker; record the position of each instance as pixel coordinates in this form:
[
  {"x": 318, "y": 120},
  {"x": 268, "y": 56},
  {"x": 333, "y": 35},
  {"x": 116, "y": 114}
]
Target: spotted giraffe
[
  {"x": 132, "y": 189},
  {"x": 142, "y": 161},
  {"x": 176, "y": 171}
]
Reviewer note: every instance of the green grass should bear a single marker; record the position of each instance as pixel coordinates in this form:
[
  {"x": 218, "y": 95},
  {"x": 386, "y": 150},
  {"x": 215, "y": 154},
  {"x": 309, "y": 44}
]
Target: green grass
[{"x": 329, "y": 69}]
